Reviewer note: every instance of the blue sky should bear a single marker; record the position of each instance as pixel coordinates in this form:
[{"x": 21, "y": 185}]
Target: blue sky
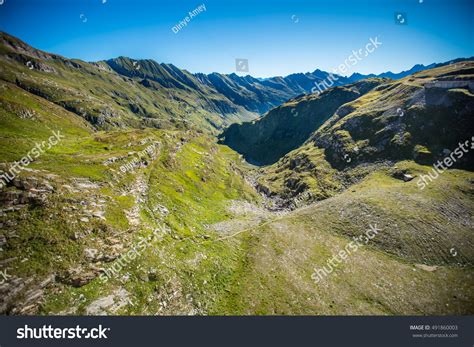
[{"x": 277, "y": 37}]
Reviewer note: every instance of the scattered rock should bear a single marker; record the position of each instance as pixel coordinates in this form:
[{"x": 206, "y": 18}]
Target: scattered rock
[
  {"x": 109, "y": 304},
  {"x": 91, "y": 254},
  {"x": 426, "y": 267},
  {"x": 79, "y": 277}
]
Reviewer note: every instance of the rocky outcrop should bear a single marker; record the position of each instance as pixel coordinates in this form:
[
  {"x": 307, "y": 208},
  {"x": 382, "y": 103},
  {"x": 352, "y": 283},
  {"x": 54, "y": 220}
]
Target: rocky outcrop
[
  {"x": 20, "y": 296},
  {"x": 288, "y": 126},
  {"x": 79, "y": 276},
  {"x": 22, "y": 191}
]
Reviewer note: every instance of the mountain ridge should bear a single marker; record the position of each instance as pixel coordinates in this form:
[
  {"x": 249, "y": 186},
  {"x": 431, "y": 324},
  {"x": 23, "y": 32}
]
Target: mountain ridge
[
  {"x": 211, "y": 101},
  {"x": 139, "y": 160}
]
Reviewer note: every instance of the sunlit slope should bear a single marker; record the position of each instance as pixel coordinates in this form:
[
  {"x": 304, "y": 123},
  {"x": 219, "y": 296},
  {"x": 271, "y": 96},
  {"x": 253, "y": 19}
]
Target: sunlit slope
[
  {"x": 398, "y": 120},
  {"x": 420, "y": 262},
  {"x": 85, "y": 202},
  {"x": 108, "y": 99}
]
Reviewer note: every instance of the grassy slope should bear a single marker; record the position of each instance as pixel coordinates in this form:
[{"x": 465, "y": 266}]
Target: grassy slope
[
  {"x": 187, "y": 274},
  {"x": 259, "y": 270},
  {"x": 191, "y": 177},
  {"x": 108, "y": 100},
  {"x": 370, "y": 130},
  {"x": 418, "y": 227}
]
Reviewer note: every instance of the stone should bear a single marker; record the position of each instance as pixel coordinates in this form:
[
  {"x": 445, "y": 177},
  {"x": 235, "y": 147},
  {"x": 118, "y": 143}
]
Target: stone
[
  {"x": 91, "y": 254},
  {"x": 426, "y": 267},
  {"x": 109, "y": 304},
  {"x": 48, "y": 187},
  {"x": 30, "y": 183},
  {"x": 48, "y": 280},
  {"x": 402, "y": 175},
  {"x": 33, "y": 296},
  {"x": 113, "y": 241},
  {"x": 26, "y": 310},
  {"x": 109, "y": 257},
  {"x": 79, "y": 277},
  {"x": 98, "y": 214}
]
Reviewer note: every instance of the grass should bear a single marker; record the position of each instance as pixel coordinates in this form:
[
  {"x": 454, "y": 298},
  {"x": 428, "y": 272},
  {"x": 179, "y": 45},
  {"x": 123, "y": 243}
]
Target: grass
[
  {"x": 260, "y": 264},
  {"x": 380, "y": 278},
  {"x": 110, "y": 100},
  {"x": 195, "y": 181}
]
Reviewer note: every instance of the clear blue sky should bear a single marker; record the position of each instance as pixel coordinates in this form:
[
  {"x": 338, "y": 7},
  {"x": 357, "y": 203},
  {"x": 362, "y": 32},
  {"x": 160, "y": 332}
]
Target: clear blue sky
[{"x": 277, "y": 37}]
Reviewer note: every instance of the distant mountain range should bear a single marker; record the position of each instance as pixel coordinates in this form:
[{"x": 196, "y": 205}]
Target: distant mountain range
[
  {"x": 254, "y": 94},
  {"x": 389, "y": 74},
  {"x": 124, "y": 92},
  {"x": 288, "y": 126}
]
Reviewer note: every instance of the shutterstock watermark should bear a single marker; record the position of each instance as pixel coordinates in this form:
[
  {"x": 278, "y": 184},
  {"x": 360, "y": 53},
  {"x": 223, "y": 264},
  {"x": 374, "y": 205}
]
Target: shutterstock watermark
[
  {"x": 448, "y": 161},
  {"x": 133, "y": 253},
  {"x": 33, "y": 154},
  {"x": 343, "y": 254},
  {"x": 241, "y": 65},
  {"x": 350, "y": 61},
  {"x": 184, "y": 22},
  {"x": 48, "y": 332}
]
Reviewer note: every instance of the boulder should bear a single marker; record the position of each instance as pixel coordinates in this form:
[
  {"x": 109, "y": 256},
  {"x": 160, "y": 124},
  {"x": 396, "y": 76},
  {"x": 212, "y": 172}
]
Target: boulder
[{"x": 78, "y": 277}]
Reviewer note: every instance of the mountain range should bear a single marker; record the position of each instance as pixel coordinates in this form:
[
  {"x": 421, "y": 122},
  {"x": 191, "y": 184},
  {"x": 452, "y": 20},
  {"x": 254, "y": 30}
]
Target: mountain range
[
  {"x": 130, "y": 187},
  {"x": 147, "y": 93}
]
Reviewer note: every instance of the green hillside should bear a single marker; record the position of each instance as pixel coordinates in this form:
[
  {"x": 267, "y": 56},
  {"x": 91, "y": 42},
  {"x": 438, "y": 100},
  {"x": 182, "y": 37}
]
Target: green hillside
[
  {"x": 397, "y": 120},
  {"x": 108, "y": 99},
  {"x": 286, "y": 127},
  {"x": 117, "y": 197}
]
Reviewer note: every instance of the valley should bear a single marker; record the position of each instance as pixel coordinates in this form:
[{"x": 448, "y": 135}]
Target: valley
[{"x": 221, "y": 194}]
